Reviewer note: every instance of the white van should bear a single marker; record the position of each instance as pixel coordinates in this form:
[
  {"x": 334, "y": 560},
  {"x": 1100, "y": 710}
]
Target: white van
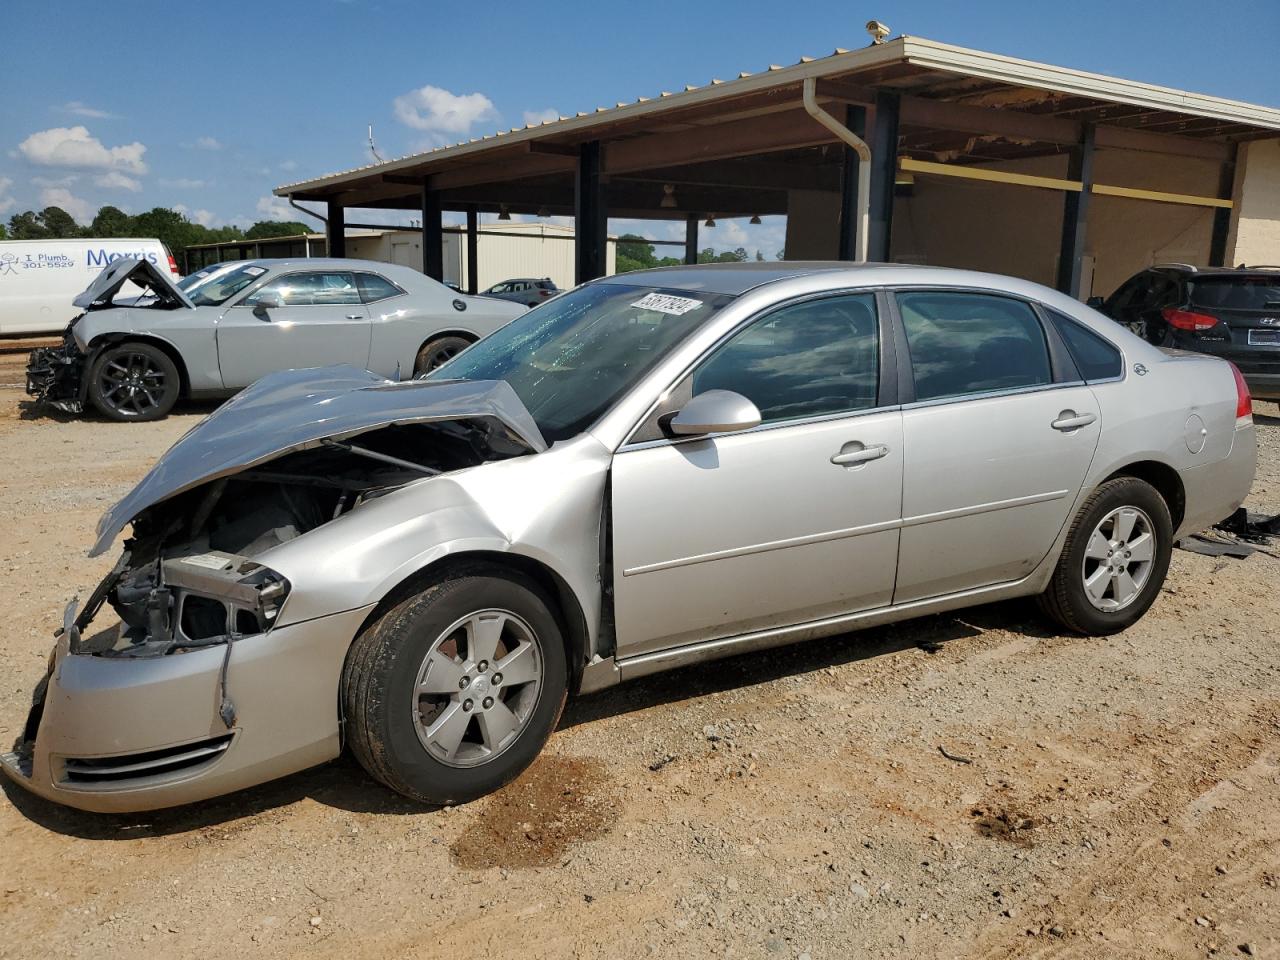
[{"x": 40, "y": 278}]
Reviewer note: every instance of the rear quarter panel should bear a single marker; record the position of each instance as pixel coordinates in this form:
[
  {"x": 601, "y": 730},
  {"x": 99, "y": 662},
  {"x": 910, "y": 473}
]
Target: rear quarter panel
[{"x": 401, "y": 325}]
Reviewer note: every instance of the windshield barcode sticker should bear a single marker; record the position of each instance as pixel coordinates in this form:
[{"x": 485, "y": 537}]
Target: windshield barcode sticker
[{"x": 665, "y": 303}]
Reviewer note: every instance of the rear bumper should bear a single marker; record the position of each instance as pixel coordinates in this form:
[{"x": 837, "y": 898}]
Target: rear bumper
[
  {"x": 1263, "y": 386},
  {"x": 113, "y": 734}
]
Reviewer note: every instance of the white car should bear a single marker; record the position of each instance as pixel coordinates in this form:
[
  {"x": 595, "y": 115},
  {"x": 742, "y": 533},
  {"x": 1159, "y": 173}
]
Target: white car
[
  {"x": 39, "y": 279},
  {"x": 133, "y": 358}
]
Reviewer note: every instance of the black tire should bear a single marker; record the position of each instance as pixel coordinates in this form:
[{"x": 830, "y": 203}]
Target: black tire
[
  {"x": 133, "y": 382},
  {"x": 381, "y": 674},
  {"x": 1065, "y": 598},
  {"x": 438, "y": 351}
]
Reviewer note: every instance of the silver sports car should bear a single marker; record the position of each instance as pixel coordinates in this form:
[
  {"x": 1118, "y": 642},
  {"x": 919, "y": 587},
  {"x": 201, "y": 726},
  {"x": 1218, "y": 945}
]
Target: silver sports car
[
  {"x": 651, "y": 470},
  {"x": 222, "y": 328}
]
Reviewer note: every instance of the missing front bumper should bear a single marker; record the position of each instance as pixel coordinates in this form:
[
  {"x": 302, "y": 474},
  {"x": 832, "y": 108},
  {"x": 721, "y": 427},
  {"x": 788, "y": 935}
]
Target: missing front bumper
[{"x": 55, "y": 375}]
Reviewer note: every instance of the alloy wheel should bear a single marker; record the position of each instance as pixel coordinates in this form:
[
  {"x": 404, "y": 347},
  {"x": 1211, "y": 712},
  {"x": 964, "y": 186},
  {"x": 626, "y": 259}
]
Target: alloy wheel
[
  {"x": 477, "y": 688},
  {"x": 1118, "y": 559},
  {"x": 132, "y": 383}
]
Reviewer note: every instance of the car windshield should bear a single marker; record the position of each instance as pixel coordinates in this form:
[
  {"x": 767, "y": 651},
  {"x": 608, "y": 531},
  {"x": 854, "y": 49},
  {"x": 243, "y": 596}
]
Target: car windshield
[
  {"x": 570, "y": 359},
  {"x": 1237, "y": 293},
  {"x": 220, "y": 287}
]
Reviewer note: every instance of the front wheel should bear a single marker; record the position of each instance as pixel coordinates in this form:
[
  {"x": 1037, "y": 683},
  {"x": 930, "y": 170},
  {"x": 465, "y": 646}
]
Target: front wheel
[
  {"x": 1114, "y": 560},
  {"x": 453, "y": 692},
  {"x": 133, "y": 381}
]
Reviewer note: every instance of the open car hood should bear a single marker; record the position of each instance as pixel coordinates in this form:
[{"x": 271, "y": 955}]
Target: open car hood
[
  {"x": 300, "y": 409},
  {"x": 143, "y": 273}
]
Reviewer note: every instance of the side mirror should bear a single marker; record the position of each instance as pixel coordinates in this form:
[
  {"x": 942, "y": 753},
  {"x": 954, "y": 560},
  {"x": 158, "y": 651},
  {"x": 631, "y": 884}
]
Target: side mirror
[
  {"x": 1095, "y": 302},
  {"x": 265, "y": 302},
  {"x": 715, "y": 411}
]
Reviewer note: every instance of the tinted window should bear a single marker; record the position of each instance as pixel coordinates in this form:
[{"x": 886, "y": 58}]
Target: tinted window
[
  {"x": 374, "y": 288},
  {"x": 964, "y": 343},
  {"x": 1237, "y": 293},
  {"x": 310, "y": 289},
  {"x": 808, "y": 360},
  {"x": 1095, "y": 358}
]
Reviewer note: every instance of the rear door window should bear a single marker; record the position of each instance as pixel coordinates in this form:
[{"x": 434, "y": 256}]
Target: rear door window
[
  {"x": 970, "y": 343},
  {"x": 1095, "y": 357}
]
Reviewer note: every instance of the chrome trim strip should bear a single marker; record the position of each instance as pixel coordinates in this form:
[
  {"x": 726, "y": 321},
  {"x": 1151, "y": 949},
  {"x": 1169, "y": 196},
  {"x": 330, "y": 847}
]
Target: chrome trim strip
[
  {"x": 764, "y": 547},
  {"x": 74, "y": 765},
  {"x": 811, "y": 538},
  {"x": 659, "y": 660},
  {"x": 984, "y": 508}
]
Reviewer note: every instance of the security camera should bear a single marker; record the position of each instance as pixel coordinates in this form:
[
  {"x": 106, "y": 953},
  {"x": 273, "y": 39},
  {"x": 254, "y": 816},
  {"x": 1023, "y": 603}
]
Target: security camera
[{"x": 877, "y": 30}]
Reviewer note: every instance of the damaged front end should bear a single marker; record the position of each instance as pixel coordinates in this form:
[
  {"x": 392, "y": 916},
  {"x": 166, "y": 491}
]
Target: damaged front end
[
  {"x": 55, "y": 375},
  {"x": 205, "y": 684}
]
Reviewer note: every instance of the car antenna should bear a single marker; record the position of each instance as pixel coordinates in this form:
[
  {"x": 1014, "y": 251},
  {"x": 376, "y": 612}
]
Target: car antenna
[{"x": 372, "y": 148}]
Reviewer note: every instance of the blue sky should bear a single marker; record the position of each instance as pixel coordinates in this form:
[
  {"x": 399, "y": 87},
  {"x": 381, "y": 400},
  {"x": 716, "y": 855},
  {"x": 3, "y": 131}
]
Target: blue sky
[{"x": 209, "y": 107}]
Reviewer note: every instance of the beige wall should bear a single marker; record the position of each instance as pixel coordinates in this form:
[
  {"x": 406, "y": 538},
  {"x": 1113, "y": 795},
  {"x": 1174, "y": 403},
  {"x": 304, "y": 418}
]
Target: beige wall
[
  {"x": 1255, "y": 220},
  {"x": 1017, "y": 230}
]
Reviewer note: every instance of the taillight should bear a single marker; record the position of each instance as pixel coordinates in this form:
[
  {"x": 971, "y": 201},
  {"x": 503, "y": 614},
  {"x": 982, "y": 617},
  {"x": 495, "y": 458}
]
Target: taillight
[
  {"x": 544, "y": 293},
  {"x": 1244, "y": 402},
  {"x": 1187, "y": 319},
  {"x": 173, "y": 265}
]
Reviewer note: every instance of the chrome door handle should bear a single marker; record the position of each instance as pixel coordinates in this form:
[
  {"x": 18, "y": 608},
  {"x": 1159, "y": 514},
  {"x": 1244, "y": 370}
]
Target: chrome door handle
[
  {"x": 1069, "y": 420},
  {"x": 355, "y": 316},
  {"x": 861, "y": 455}
]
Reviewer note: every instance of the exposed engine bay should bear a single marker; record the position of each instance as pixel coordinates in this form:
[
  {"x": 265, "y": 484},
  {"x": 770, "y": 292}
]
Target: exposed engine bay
[{"x": 188, "y": 576}]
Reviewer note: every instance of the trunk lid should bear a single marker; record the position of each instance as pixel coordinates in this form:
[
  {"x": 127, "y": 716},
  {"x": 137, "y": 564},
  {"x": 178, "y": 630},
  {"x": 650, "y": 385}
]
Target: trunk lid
[
  {"x": 300, "y": 409},
  {"x": 101, "y": 292}
]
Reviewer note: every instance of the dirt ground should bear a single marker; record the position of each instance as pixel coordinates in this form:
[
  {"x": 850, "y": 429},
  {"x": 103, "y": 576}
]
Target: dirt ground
[{"x": 976, "y": 785}]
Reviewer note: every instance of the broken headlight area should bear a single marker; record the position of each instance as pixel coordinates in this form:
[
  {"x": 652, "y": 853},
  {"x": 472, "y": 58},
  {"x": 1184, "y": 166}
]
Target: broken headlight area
[
  {"x": 55, "y": 375},
  {"x": 190, "y": 576}
]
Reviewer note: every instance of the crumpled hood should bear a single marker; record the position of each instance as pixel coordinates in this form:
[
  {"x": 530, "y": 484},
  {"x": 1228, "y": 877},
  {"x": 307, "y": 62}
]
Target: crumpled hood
[
  {"x": 298, "y": 409},
  {"x": 113, "y": 276}
]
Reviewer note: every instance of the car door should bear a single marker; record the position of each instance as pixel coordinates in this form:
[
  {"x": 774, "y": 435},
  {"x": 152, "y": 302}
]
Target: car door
[
  {"x": 997, "y": 441},
  {"x": 791, "y": 521},
  {"x": 320, "y": 321}
]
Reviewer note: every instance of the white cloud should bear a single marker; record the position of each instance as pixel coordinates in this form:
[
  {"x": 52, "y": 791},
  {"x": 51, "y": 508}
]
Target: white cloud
[
  {"x": 79, "y": 209},
  {"x": 275, "y": 208},
  {"x": 6, "y": 201},
  {"x": 207, "y": 143},
  {"x": 183, "y": 183},
  {"x": 431, "y": 108},
  {"x": 115, "y": 180},
  {"x": 75, "y": 147},
  {"x": 289, "y": 165},
  {"x": 536, "y": 117},
  {"x": 84, "y": 110}
]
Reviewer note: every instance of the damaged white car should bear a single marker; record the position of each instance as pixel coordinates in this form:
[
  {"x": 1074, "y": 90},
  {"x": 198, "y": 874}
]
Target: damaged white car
[
  {"x": 651, "y": 470},
  {"x": 220, "y": 329}
]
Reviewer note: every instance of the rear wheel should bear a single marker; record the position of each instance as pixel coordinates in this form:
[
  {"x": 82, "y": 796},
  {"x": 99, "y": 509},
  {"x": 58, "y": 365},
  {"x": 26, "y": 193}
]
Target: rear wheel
[
  {"x": 1114, "y": 560},
  {"x": 441, "y": 350},
  {"x": 453, "y": 692},
  {"x": 133, "y": 381}
]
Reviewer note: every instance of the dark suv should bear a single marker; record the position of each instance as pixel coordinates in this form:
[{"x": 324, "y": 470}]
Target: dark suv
[{"x": 1230, "y": 313}]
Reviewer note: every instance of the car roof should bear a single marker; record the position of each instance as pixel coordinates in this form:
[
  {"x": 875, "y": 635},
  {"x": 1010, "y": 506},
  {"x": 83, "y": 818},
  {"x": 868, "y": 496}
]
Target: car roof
[
  {"x": 1244, "y": 270},
  {"x": 738, "y": 278},
  {"x": 330, "y": 263}
]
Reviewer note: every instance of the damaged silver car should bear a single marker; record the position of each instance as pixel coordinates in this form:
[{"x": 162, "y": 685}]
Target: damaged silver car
[
  {"x": 651, "y": 470},
  {"x": 220, "y": 329}
]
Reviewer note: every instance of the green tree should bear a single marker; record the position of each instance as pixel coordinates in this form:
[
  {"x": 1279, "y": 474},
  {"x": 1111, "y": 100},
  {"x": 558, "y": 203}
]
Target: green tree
[
  {"x": 4, "y": 234},
  {"x": 634, "y": 253},
  {"x": 59, "y": 223},
  {"x": 27, "y": 226},
  {"x": 729, "y": 256},
  {"x": 111, "y": 222},
  {"x": 275, "y": 228}
]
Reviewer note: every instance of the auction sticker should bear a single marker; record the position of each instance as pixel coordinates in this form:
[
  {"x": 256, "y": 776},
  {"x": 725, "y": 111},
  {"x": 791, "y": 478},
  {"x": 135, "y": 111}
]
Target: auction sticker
[{"x": 666, "y": 303}]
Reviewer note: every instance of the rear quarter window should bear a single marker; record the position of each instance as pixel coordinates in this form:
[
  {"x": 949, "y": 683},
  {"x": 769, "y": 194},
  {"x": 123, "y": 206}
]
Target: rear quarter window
[{"x": 1094, "y": 356}]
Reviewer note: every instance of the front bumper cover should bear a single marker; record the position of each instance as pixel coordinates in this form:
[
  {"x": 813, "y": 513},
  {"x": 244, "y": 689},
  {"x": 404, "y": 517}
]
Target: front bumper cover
[
  {"x": 117, "y": 735},
  {"x": 56, "y": 375}
]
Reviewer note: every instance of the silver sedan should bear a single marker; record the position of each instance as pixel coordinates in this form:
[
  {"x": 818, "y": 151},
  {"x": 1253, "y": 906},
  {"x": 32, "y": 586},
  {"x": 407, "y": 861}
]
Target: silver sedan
[
  {"x": 652, "y": 470},
  {"x": 223, "y": 327}
]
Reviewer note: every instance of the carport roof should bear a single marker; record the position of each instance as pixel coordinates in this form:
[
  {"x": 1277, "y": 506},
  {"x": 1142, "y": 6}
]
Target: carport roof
[{"x": 1049, "y": 102}]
